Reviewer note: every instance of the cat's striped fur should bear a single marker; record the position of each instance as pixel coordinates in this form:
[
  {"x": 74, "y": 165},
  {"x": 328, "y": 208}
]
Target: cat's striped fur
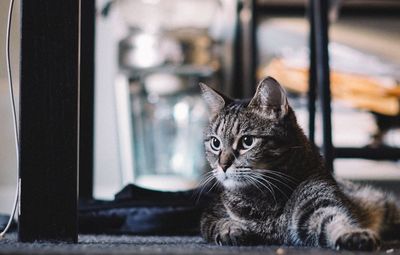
[{"x": 276, "y": 189}]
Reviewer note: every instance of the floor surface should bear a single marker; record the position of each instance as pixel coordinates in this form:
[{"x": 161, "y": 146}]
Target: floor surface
[{"x": 103, "y": 244}]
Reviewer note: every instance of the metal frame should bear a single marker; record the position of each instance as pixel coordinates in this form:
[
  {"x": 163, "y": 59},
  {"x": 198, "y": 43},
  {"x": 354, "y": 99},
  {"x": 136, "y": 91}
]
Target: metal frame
[
  {"x": 319, "y": 80},
  {"x": 312, "y": 89},
  {"x": 248, "y": 17},
  {"x": 320, "y": 73}
]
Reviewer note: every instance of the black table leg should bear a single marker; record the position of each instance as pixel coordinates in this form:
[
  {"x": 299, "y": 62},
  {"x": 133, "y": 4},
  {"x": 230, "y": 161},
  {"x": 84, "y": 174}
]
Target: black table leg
[
  {"x": 320, "y": 14},
  {"x": 235, "y": 87},
  {"x": 49, "y": 120},
  {"x": 86, "y": 107},
  {"x": 312, "y": 89},
  {"x": 249, "y": 50}
]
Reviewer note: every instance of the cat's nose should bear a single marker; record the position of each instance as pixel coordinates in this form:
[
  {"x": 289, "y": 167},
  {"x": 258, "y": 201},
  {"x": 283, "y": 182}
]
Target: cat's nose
[
  {"x": 224, "y": 167},
  {"x": 226, "y": 159}
]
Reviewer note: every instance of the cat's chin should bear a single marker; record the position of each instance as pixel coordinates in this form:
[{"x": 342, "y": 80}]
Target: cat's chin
[
  {"x": 231, "y": 184},
  {"x": 229, "y": 180}
]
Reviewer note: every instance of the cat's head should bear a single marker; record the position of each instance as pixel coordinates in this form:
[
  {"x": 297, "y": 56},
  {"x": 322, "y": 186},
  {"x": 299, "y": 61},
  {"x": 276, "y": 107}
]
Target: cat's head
[{"x": 246, "y": 138}]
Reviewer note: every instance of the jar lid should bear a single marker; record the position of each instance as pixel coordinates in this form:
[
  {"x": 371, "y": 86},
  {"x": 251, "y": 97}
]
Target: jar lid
[{"x": 163, "y": 84}]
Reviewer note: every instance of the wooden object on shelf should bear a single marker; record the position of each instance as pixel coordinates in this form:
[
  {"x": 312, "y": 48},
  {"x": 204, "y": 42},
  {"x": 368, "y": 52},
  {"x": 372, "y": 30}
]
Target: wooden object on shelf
[{"x": 360, "y": 91}]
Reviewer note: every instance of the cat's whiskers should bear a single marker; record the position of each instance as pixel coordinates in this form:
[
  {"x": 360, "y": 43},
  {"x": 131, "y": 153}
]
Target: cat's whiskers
[
  {"x": 277, "y": 180},
  {"x": 252, "y": 182},
  {"x": 248, "y": 180},
  {"x": 255, "y": 182},
  {"x": 208, "y": 177},
  {"x": 246, "y": 172},
  {"x": 261, "y": 174},
  {"x": 284, "y": 176},
  {"x": 214, "y": 185},
  {"x": 270, "y": 189},
  {"x": 205, "y": 178},
  {"x": 206, "y": 181},
  {"x": 276, "y": 172},
  {"x": 263, "y": 178},
  {"x": 202, "y": 186}
]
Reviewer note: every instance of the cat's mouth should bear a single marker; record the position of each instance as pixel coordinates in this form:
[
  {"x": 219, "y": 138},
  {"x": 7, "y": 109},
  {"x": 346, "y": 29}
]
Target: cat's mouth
[
  {"x": 261, "y": 179},
  {"x": 232, "y": 178}
]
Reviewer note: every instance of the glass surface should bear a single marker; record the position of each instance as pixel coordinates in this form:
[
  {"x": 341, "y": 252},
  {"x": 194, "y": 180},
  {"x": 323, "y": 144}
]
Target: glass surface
[{"x": 168, "y": 138}]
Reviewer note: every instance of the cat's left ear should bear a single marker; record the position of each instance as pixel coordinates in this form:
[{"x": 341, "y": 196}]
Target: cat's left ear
[
  {"x": 270, "y": 97},
  {"x": 215, "y": 100}
]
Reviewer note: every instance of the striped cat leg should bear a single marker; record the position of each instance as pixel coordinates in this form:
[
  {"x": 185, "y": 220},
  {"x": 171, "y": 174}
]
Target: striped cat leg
[
  {"x": 339, "y": 231},
  {"x": 217, "y": 227},
  {"x": 323, "y": 217},
  {"x": 223, "y": 231},
  {"x": 391, "y": 222},
  {"x": 210, "y": 223},
  {"x": 381, "y": 210}
]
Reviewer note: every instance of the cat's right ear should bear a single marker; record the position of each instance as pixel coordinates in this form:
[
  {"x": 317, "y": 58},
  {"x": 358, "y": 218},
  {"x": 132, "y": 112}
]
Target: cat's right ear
[
  {"x": 215, "y": 100},
  {"x": 270, "y": 98}
]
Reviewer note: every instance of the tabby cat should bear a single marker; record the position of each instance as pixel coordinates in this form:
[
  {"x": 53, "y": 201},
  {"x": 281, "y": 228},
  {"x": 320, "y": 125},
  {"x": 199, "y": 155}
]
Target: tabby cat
[{"x": 275, "y": 187}]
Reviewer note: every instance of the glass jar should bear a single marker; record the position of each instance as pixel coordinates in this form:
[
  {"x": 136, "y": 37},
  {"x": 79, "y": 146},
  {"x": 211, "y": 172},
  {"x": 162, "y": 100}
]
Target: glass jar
[{"x": 168, "y": 121}]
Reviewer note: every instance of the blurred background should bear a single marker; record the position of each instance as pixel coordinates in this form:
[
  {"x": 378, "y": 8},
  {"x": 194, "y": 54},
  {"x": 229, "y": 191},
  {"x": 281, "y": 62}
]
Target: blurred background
[{"x": 151, "y": 54}]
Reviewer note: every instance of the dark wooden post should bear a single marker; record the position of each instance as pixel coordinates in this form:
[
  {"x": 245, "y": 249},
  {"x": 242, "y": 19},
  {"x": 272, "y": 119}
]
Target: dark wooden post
[
  {"x": 86, "y": 134},
  {"x": 49, "y": 120}
]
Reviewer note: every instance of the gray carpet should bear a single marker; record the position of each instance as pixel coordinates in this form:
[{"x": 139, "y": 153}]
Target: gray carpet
[
  {"x": 104, "y": 244},
  {"x": 121, "y": 245}
]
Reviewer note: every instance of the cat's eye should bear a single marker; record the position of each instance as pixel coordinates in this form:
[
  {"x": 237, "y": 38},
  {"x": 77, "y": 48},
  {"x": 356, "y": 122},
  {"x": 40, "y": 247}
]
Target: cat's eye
[
  {"x": 215, "y": 144},
  {"x": 247, "y": 142}
]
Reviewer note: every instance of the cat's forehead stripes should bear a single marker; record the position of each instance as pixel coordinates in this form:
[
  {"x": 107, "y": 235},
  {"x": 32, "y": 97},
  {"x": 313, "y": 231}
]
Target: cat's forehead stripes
[
  {"x": 220, "y": 127},
  {"x": 230, "y": 122},
  {"x": 236, "y": 126},
  {"x": 235, "y": 121}
]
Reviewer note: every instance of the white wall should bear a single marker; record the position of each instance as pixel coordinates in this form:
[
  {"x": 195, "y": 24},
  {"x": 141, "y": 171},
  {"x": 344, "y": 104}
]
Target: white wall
[
  {"x": 107, "y": 177},
  {"x": 107, "y": 167},
  {"x": 7, "y": 152}
]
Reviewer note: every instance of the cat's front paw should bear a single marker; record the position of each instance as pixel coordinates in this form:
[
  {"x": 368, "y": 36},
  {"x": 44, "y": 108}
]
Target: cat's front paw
[
  {"x": 231, "y": 234},
  {"x": 361, "y": 240}
]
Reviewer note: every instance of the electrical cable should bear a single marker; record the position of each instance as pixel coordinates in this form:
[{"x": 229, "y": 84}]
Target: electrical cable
[{"x": 14, "y": 115}]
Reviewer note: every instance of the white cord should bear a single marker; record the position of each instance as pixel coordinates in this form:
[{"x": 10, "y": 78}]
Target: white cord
[{"x": 14, "y": 113}]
